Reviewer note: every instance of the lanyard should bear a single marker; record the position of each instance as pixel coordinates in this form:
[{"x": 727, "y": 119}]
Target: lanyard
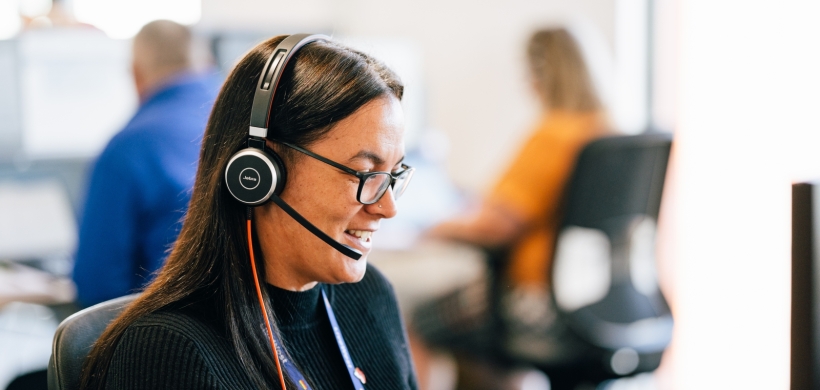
[{"x": 296, "y": 375}]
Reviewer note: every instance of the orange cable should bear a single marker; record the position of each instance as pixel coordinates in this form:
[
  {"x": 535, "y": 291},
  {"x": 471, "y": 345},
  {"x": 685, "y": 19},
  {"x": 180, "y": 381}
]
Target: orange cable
[{"x": 262, "y": 306}]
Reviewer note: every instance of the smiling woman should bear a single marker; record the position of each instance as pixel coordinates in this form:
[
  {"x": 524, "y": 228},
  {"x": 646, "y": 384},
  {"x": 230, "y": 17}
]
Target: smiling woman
[
  {"x": 370, "y": 140},
  {"x": 335, "y": 146}
]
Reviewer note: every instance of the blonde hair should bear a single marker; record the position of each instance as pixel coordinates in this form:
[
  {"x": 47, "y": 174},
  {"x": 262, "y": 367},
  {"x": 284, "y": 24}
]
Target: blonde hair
[{"x": 560, "y": 73}]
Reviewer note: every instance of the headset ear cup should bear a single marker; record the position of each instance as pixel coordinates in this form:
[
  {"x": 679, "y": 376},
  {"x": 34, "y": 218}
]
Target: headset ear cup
[
  {"x": 252, "y": 176},
  {"x": 281, "y": 171}
]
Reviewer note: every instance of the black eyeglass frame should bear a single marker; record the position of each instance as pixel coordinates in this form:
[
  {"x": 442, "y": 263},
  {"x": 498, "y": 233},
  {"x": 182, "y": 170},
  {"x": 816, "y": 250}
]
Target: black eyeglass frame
[{"x": 363, "y": 176}]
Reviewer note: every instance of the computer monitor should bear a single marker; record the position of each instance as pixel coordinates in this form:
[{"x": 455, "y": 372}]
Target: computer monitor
[
  {"x": 36, "y": 220},
  {"x": 805, "y": 313},
  {"x": 70, "y": 90}
]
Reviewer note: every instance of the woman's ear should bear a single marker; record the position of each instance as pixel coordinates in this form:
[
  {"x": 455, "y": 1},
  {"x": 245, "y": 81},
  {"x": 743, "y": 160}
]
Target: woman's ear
[
  {"x": 276, "y": 148},
  {"x": 282, "y": 153}
]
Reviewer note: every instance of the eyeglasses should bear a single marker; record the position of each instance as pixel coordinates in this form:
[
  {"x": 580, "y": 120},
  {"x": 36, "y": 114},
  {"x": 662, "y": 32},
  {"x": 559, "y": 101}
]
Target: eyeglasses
[{"x": 372, "y": 185}]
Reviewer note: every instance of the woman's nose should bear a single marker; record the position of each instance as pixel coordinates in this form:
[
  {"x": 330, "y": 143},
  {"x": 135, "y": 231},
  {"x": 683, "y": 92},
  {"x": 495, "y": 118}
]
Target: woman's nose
[{"x": 386, "y": 206}]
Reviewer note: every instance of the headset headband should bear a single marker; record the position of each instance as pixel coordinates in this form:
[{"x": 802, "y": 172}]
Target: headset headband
[{"x": 269, "y": 80}]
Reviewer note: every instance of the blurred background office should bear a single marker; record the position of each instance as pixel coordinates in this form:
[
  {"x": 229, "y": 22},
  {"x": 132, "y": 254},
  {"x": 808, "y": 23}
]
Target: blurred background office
[{"x": 735, "y": 82}]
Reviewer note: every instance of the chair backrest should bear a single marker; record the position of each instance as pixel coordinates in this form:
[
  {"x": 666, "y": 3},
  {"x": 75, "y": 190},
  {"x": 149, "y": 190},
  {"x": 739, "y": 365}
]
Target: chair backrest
[
  {"x": 603, "y": 273},
  {"x": 74, "y": 338}
]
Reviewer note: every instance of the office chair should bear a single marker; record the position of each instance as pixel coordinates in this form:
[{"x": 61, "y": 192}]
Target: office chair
[
  {"x": 74, "y": 338},
  {"x": 608, "y": 316}
]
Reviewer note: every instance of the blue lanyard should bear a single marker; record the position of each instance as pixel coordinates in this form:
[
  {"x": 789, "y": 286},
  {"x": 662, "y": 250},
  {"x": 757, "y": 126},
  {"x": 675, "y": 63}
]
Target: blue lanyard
[{"x": 296, "y": 375}]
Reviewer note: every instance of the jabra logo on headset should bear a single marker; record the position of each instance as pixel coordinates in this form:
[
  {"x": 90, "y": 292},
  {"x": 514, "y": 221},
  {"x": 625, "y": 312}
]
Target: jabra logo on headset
[{"x": 249, "y": 178}]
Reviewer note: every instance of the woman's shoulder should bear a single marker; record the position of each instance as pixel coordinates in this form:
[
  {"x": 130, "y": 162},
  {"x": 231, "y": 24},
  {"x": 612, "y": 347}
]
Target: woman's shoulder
[
  {"x": 186, "y": 328},
  {"x": 172, "y": 349},
  {"x": 184, "y": 321},
  {"x": 571, "y": 125}
]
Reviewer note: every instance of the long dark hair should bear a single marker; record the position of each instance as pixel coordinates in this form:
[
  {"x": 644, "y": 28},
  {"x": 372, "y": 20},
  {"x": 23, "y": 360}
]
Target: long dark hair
[{"x": 323, "y": 84}]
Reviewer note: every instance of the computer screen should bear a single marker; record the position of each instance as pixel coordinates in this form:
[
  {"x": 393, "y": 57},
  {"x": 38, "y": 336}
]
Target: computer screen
[
  {"x": 74, "y": 91},
  {"x": 805, "y": 305},
  {"x": 36, "y": 220}
]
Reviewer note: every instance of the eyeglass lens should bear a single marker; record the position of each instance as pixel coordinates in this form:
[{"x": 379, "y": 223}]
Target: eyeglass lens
[{"x": 376, "y": 185}]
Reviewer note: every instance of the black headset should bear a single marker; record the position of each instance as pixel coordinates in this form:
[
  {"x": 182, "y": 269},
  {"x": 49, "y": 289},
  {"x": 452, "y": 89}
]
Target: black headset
[{"x": 256, "y": 174}]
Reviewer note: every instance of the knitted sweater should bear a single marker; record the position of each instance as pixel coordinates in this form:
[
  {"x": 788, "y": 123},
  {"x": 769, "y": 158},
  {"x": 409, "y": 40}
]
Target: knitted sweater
[{"x": 178, "y": 350}]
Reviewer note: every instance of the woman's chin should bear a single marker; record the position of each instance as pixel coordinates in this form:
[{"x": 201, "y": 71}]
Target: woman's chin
[{"x": 354, "y": 270}]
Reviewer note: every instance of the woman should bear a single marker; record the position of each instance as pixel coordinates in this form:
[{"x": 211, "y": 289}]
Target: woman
[
  {"x": 522, "y": 212},
  {"x": 335, "y": 120}
]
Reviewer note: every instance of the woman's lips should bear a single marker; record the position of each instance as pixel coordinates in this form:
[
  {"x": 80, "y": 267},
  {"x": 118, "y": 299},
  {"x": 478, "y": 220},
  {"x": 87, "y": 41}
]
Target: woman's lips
[{"x": 361, "y": 238}]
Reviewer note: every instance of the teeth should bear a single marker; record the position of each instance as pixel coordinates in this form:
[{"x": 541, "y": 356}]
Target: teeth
[{"x": 363, "y": 235}]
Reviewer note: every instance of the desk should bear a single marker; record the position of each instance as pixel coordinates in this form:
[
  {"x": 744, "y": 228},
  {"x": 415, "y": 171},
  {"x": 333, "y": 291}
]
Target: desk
[
  {"x": 19, "y": 283},
  {"x": 26, "y": 325}
]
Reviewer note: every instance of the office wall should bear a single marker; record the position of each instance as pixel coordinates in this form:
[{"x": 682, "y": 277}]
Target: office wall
[{"x": 472, "y": 52}]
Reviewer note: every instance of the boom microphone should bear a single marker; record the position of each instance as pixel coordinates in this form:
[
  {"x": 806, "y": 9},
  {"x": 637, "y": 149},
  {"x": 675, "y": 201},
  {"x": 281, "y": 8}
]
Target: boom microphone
[{"x": 344, "y": 249}]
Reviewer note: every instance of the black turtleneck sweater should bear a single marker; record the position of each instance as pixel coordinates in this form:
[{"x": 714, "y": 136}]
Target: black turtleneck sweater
[{"x": 177, "y": 350}]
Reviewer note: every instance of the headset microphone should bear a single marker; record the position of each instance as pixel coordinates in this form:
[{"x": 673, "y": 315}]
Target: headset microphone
[
  {"x": 256, "y": 174},
  {"x": 346, "y": 250}
]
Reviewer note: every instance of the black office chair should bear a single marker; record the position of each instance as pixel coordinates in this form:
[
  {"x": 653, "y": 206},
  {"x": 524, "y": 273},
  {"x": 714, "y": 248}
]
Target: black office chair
[
  {"x": 74, "y": 338},
  {"x": 609, "y": 318}
]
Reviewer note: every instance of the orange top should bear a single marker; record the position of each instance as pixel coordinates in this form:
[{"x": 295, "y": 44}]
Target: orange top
[{"x": 533, "y": 185}]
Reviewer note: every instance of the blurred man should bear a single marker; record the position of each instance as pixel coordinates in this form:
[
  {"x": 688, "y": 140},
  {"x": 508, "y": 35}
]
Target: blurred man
[{"x": 140, "y": 184}]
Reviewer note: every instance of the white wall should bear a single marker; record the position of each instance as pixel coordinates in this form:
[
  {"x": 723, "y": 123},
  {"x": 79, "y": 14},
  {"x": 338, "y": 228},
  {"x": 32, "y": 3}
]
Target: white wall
[{"x": 472, "y": 52}]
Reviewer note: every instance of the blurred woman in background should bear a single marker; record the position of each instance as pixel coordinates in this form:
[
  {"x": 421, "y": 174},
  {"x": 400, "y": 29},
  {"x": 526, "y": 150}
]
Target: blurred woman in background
[{"x": 521, "y": 214}]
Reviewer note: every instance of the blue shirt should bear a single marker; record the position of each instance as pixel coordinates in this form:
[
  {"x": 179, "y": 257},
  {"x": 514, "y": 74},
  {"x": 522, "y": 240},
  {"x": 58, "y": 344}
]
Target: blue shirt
[{"x": 139, "y": 190}]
